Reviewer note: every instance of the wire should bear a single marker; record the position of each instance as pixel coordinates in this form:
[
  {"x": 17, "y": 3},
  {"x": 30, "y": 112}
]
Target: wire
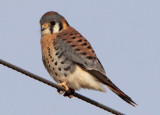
[{"x": 34, "y": 76}]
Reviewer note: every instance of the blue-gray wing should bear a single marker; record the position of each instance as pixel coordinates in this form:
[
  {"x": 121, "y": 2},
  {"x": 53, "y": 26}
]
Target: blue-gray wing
[{"x": 78, "y": 50}]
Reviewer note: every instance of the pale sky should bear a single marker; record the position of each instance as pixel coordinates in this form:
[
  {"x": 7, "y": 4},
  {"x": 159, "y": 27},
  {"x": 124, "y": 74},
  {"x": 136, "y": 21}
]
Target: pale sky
[{"x": 124, "y": 34}]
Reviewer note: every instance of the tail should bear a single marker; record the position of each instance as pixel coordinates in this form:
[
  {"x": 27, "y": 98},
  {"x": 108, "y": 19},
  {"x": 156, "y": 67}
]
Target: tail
[
  {"x": 121, "y": 94},
  {"x": 105, "y": 80}
]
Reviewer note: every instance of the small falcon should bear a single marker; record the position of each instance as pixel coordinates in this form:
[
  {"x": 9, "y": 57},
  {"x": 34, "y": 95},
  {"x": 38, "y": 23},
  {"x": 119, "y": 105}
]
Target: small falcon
[{"x": 70, "y": 59}]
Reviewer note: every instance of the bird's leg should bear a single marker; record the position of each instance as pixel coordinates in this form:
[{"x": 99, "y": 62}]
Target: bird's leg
[
  {"x": 69, "y": 93},
  {"x": 63, "y": 84}
]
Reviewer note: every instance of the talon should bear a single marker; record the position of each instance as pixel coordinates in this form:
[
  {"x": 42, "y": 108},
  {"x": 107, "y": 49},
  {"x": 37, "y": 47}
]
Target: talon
[
  {"x": 66, "y": 94},
  {"x": 69, "y": 93},
  {"x": 60, "y": 92},
  {"x": 63, "y": 84},
  {"x": 70, "y": 96}
]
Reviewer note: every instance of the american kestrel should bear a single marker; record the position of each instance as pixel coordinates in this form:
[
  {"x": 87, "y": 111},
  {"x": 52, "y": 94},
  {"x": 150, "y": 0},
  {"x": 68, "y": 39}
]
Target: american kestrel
[{"x": 70, "y": 59}]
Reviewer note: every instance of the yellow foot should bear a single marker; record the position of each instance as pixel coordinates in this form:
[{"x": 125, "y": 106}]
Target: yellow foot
[
  {"x": 59, "y": 91},
  {"x": 63, "y": 84}
]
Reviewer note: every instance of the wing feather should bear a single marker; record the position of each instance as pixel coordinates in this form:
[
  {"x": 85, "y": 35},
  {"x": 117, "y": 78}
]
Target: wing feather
[{"x": 78, "y": 50}]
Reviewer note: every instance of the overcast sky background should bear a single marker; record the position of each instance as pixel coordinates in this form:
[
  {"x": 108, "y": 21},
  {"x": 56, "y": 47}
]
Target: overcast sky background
[{"x": 124, "y": 34}]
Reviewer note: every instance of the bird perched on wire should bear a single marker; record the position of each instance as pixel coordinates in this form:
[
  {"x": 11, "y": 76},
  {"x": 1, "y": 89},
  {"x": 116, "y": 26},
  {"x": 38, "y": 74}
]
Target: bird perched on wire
[{"x": 70, "y": 59}]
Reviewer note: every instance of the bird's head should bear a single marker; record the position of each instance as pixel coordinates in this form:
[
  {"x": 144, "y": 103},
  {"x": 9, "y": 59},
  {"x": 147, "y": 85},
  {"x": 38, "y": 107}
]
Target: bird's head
[{"x": 52, "y": 22}]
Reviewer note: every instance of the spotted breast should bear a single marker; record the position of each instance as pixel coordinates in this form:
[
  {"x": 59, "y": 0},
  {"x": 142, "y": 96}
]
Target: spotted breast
[
  {"x": 70, "y": 59},
  {"x": 54, "y": 60},
  {"x": 55, "y": 50}
]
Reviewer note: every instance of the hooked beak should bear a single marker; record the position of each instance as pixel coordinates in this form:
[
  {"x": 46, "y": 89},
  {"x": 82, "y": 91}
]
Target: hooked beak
[{"x": 44, "y": 26}]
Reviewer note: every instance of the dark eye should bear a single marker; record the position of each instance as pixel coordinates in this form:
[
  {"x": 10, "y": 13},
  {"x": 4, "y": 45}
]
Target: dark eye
[{"x": 52, "y": 23}]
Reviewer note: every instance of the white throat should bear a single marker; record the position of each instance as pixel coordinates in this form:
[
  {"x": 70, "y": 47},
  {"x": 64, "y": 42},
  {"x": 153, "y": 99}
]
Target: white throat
[{"x": 46, "y": 31}]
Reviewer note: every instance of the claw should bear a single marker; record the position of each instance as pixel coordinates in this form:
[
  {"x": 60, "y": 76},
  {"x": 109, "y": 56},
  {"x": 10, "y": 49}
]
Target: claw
[
  {"x": 66, "y": 94},
  {"x": 63, "y": 84},
  {"x": 69, "y": 94},
  {"x": 60, "y": 92}
]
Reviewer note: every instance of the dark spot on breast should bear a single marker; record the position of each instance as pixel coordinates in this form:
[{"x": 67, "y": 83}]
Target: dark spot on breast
[
  {"x": 62, "y": 62},
  {"x": 59, "y": 69},
  {"x": 53, "y": 68},
  {"x": 50, "y": 56},
  {"x": 84, "y": 44},
  {"x": 77, "y": 49},
  {"x": 93, "y": 51},
  {"x": 79, "y": 40},
  {"x": 65, "y": 74},
  {"x": 55, "y": 63},
  {"x": 69, "y": 41},
  {"x": 49, "y": 65},
  {"x": 86, "y": 63},
  {"x": 73, "y": 45},
  {"x": 54, "y": 42},
  {"x": 67, "y": 68},
  {"x": 56, "y": 74},
  {"x": 71, "y": 34},
  {"x": 57, "y": 53},
  {"x": 90, "y": 57},
  {"x": 83, "y": 53},
  {"x": 48, "y": 48},
  {"x": 56, "y": 48},
  {"x": 65, "y": 34},
  {"x": 73, "y": 37},
  {"x": 53, "y": 60},
  {"x": 64, "y": 39},
  {"x": 60, "y": 55}
]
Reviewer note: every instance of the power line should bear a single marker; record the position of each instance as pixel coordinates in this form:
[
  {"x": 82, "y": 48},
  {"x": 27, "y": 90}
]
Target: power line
[{"x": 34, "y": 76}]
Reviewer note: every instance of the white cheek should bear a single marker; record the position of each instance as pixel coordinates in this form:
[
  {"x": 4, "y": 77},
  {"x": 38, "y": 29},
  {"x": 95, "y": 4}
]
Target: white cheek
[
  {"x": 56, "y": 28},
  {"x": 46, "y": 31}
]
